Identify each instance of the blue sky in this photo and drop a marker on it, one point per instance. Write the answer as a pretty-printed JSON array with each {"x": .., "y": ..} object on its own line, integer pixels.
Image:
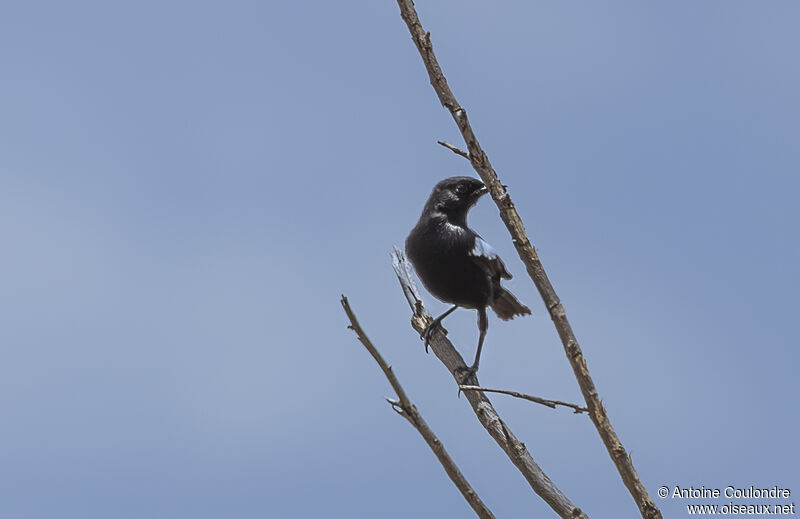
[{"x": 187, "y": 187}]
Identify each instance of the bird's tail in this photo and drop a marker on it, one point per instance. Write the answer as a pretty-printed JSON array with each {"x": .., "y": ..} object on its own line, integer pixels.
[{"x": 506, "y": 306}]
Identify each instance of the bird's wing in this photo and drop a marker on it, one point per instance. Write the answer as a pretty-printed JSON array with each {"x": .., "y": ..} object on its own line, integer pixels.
[{"x": 485, "y": 256}]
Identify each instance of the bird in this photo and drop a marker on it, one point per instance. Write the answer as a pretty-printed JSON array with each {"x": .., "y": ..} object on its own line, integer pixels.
[{"x": 455, "y": 264}]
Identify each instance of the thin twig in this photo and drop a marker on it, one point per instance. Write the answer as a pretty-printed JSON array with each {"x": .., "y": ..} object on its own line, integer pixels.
[
  {"x": 457, "y": 151},
  {"x": 486, "y": 413},
  {"x": 544, "y": 401},
  {"x": 508, "y": 213},
  {"x": 407, "y": 410}
]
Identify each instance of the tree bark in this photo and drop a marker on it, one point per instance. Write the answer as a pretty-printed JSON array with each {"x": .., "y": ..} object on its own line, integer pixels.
[
  {"x": 483, "y": 408},
  {"x": 407, "y": 410}
]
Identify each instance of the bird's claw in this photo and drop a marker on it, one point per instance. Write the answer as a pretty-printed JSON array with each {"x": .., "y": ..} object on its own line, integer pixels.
[
  {"x": 465, "y": 374},
  {"x": 427, "y": 334}
]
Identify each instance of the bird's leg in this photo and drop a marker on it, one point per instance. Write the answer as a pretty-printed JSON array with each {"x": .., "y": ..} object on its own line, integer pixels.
[
  {"x": 483, "y": 326},
  {"x": 436, "y": 322}
]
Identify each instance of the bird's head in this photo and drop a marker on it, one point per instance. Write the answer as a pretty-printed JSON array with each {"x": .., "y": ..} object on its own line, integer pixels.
[{"x": 456, "y": 195}]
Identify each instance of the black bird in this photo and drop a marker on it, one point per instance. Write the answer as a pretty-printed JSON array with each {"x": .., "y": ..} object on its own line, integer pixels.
[{"x": 454, "y": 263}]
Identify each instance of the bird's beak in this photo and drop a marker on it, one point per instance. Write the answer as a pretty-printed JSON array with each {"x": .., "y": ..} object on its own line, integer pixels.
[{"x": 481, "y": 191}]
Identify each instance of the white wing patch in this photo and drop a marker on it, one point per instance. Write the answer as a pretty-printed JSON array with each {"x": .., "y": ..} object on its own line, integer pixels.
[
  {"x": 454, "y": 228},
  {"x": 483, "y": 249}
]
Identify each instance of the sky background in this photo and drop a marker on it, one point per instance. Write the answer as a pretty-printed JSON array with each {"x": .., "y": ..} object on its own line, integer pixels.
[{"x": 186, "y": 188}]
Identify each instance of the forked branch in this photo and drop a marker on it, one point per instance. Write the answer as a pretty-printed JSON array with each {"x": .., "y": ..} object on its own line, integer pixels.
[
  {"x": 407, "y": 410},
  {"x": 486, "y": 413}
]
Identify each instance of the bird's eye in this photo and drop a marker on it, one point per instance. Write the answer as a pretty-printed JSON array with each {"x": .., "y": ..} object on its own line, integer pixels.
[{"x": 461, "y": 189}]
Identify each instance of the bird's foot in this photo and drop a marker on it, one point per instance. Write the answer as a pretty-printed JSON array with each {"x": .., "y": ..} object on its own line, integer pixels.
[
  {"x": 428, "y": 333},
  {"x": 467, "y": 376}
]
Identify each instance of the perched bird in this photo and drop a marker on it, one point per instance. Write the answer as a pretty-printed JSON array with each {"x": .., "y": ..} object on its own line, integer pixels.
[{"x": 454, "y": 263}]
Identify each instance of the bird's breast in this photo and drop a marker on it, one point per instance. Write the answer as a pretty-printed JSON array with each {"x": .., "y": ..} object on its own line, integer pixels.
[{"x": 440, "y": 256}]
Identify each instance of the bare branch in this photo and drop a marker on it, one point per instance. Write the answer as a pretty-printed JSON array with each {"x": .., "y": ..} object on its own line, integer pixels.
[
  {"x": 544, "y": 401},
  {"x": 457, "y": 151},
  {"x": 508, "y": 213},
  {"x": 486, "y": 413},
  {"x": 407, "y": 410}
]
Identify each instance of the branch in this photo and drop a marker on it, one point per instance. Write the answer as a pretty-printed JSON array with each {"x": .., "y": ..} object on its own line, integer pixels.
[
  {"x": 407, "y": 410},
  {"x": 457, "y": 151},
  {"x": 481, "y": 405},
  {"x": 508, "y": 213},
  {"x": 544, "y": 401}
]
